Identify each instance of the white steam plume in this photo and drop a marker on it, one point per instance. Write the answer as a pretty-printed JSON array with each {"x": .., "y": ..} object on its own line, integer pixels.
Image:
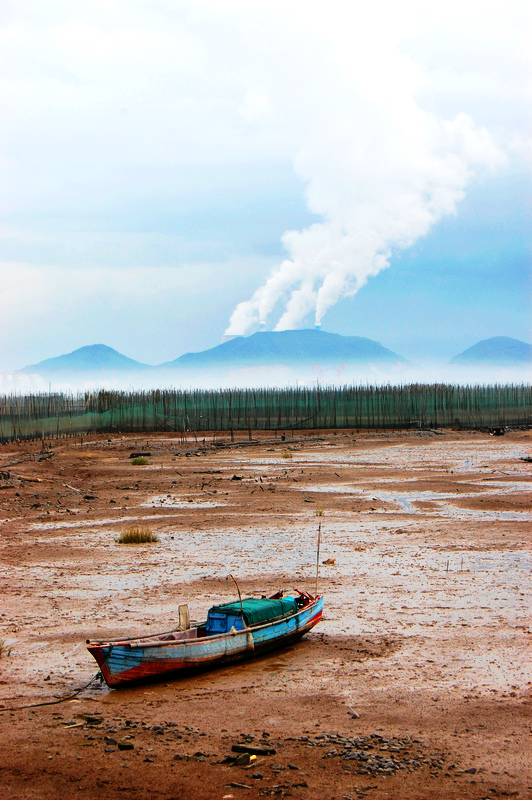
[{"x": 380, "y": 171}]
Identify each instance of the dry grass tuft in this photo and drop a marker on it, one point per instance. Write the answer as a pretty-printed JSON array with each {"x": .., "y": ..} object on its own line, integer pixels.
[
  {"x": 319, "y": 512},
  {"x": 287, "y": 454},
  {"x": 140, "y": 461},
  {"x": 137, "y": 535}
]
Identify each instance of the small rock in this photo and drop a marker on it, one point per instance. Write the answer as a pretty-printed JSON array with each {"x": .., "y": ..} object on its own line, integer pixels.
[
  {"x": 470, "y": 771},
  {"x": 292, "y": 766},
  {"x": 110, "y": 740},
  {"x": 242, "y": 760},
  {"x": 109, "y": 749},
  {"x": 149, "y": 759},
  {"x": 126, "y": 746},
  {"x": 257, "y": 775}
]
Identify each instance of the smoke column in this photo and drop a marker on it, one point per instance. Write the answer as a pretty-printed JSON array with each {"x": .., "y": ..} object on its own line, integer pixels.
[{"x": 379, "y": 170}]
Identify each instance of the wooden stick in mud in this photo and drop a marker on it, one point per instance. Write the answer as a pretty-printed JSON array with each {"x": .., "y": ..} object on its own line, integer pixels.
[
  {"x": 239, "y": 595},
  {"x": 318, "y": 558}
]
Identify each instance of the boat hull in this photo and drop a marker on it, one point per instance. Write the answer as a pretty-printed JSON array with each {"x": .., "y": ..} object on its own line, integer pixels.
[{"x": 128, "y": 662}]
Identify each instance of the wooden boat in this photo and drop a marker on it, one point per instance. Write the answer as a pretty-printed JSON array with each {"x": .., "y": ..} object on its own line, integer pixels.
[{"x": 232, "y": 631}]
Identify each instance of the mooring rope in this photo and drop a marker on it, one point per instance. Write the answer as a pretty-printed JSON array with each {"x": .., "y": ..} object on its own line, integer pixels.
[{"x": 98, "y": 676}]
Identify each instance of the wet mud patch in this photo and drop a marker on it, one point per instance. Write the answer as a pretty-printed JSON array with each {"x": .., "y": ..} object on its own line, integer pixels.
[
  {"x": 425, "y": 505},
  {"x": 493, "y": 502},
  {"x": 362, "y": 648},
  {"x": 36, "y": 553}
]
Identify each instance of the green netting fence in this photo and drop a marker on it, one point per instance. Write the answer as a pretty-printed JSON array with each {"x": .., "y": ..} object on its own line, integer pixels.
[{"x": 57, "y": 415}]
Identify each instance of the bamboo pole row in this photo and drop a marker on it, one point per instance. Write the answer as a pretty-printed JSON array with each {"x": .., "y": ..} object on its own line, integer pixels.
[{"x": 55, "y": 415}]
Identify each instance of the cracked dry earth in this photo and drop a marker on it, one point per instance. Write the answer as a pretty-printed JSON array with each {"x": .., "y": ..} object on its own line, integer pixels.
[{"x": 416, "y": 684}]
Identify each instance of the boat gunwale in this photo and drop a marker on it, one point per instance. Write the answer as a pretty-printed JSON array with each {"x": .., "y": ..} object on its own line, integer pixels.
[{"x": 135, "y": 643}]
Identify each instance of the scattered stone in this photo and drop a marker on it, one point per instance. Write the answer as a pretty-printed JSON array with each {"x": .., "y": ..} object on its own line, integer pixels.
[
  {"x": 110, "y": 740},
  {"x": 242, "y": 760},
  {"x": 257, "y": 775},
  {"x": 92, "y": 720},
  {"x": 254, "y": 751},
  {"x": 109, "y": 749},
  {"x": 280, "y": 790},
  {"x": 126, "y": 745},
  {"x": 374, "y": 753}
]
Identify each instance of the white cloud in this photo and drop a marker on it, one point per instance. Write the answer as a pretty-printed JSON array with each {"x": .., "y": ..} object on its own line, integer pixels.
[
  {"x": 380, "y": 170},
  {"x": 387, "y": 110}
]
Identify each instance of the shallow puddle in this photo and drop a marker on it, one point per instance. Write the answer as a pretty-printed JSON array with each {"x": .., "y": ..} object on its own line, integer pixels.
[{"x": 170, "y": 501}]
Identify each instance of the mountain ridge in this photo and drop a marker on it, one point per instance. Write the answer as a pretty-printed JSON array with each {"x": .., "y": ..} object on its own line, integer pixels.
[
  {"x": 289, "y": 347},
  {"x": 305, "y": 347},
  {"x": 90, "y": 358},
  {"x": 497, "y": 351}
]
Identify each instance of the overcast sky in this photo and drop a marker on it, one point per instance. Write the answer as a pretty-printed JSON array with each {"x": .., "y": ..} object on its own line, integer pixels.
[{"x": 174, "y": 169}]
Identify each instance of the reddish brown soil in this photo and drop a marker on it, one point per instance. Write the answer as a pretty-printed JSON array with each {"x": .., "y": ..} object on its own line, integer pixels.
[{"x": 424, "y": 642}]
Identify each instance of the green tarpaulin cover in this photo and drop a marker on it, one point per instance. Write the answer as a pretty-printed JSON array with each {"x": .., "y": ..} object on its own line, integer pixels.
[{"x": 257, "y": 610}]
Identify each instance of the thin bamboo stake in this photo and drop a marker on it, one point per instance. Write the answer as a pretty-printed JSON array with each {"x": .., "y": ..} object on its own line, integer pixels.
[
  {"x": 239, "y": 595},
  {"x": 318, "y": 560}
]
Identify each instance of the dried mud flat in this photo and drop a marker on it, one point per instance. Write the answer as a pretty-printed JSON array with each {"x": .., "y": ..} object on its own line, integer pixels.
[{"x": 415, "y": 685}]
